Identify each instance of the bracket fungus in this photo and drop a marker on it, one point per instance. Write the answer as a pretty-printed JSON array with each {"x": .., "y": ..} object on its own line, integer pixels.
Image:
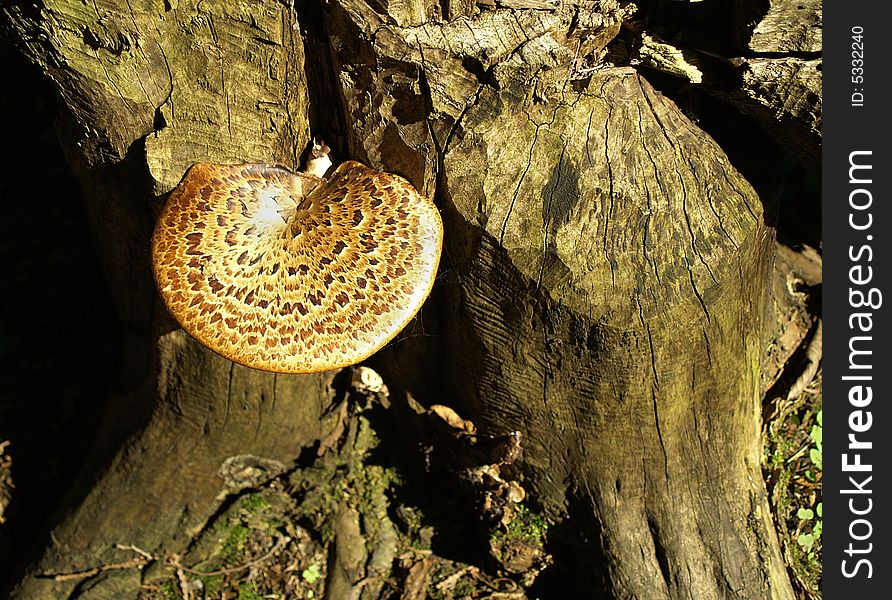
[{"x": 291, "y": 273}]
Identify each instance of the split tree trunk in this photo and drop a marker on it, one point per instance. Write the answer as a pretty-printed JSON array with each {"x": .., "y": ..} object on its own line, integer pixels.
[
  {"x": 151, "y": 88},
  {"x": 604, "y": 272}
]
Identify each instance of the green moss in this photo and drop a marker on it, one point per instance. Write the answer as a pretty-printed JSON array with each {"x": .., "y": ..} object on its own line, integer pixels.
[
  {"x": 254, "y": 503},
  {"x": 528, "y": 527},
  {"x": 345, "y": 477},
  {"x": 247, "y": 592},
  {"x": 213, "y": 586},
  {"x": 168, "y": 591},
  {"x": 232, "y": 548}
]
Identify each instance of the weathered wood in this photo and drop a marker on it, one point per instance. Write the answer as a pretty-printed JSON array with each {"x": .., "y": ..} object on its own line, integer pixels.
[
  {"x": 785, "y": 95},
  {"x": 406, "y": 12},
  {"x": 151, "y": 88},
  {"x": 606, "y": 270},
  {"x": 784, "y": 92},
  {"x": 603, "y": 287},
  {"x": 775, "y": 80},
  {"x": 637, "y": 258},
  {"x": 669, "y": 59},
  {"x": 775, "y": 77},
  {"x": 789, "y": 26}
]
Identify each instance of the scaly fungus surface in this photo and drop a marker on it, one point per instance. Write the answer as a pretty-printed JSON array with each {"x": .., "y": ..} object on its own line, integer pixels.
[{"x": 291, "y": 273}]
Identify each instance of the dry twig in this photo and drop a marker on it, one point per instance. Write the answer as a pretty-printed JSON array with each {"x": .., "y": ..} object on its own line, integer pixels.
[
  {"x": 280, "y": 543},
  {"x": 134, "y": 563}
]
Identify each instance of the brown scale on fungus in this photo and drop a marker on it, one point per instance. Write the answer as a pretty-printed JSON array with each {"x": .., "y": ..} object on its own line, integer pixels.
[{"x": 308, "y": 274}]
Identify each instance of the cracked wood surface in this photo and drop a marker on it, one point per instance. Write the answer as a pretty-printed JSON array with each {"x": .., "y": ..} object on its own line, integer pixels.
[
  {"x": 789, "y": 26},
  {"x": 610, "y": 278},
  {"x": 605, "y": 272},
  {"x": 782, "y": 77},
  {"x": 147, "y": 89},
  {"x": 785, "y": 94},
  {"x": 603, "y": 278},
  {"x": 776, "y": 77}
]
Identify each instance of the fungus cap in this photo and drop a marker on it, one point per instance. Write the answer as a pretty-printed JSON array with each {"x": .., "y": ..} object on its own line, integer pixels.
[{"x": 291, "y": 273}]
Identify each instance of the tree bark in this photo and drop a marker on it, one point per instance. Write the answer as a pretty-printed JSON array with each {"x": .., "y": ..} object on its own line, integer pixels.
[
  {"x": 606, "y": 274},
  {"x": 150, "y": 89},
  {"x": 604, "y": 278}
]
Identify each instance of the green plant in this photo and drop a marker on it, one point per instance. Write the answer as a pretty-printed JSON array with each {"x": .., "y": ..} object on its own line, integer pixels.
[
  {"x": 311, "y": 574},
  {"x": 812, "y": 520},
  {"x": 817, "y": 436},
  {"x": 254, "y": 502},
  {"x": 807, "y": 539},
  {"x": 233, "y": 544},
  {"x": 248, "y": 593}
]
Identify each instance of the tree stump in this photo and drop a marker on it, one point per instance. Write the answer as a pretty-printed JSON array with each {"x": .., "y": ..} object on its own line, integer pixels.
[
  {"x": 151, "y": 90},
  {"x": 603, "y": 282},
  {"x": 606, "y": 271}
]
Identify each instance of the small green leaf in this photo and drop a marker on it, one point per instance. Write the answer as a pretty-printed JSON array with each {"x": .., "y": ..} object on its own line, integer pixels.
[
  {"x": 817, "y": 435},
  {"x": 311, "y": 574},
  {"x": 818, "y": 529},
  {"x": 806, "y": 514},
  {"x": 820, "y": 418},
  {"x": 820, "y": 509},
  {"x": 806, "y": 540},
  {"x": 816, "y": 457}
]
